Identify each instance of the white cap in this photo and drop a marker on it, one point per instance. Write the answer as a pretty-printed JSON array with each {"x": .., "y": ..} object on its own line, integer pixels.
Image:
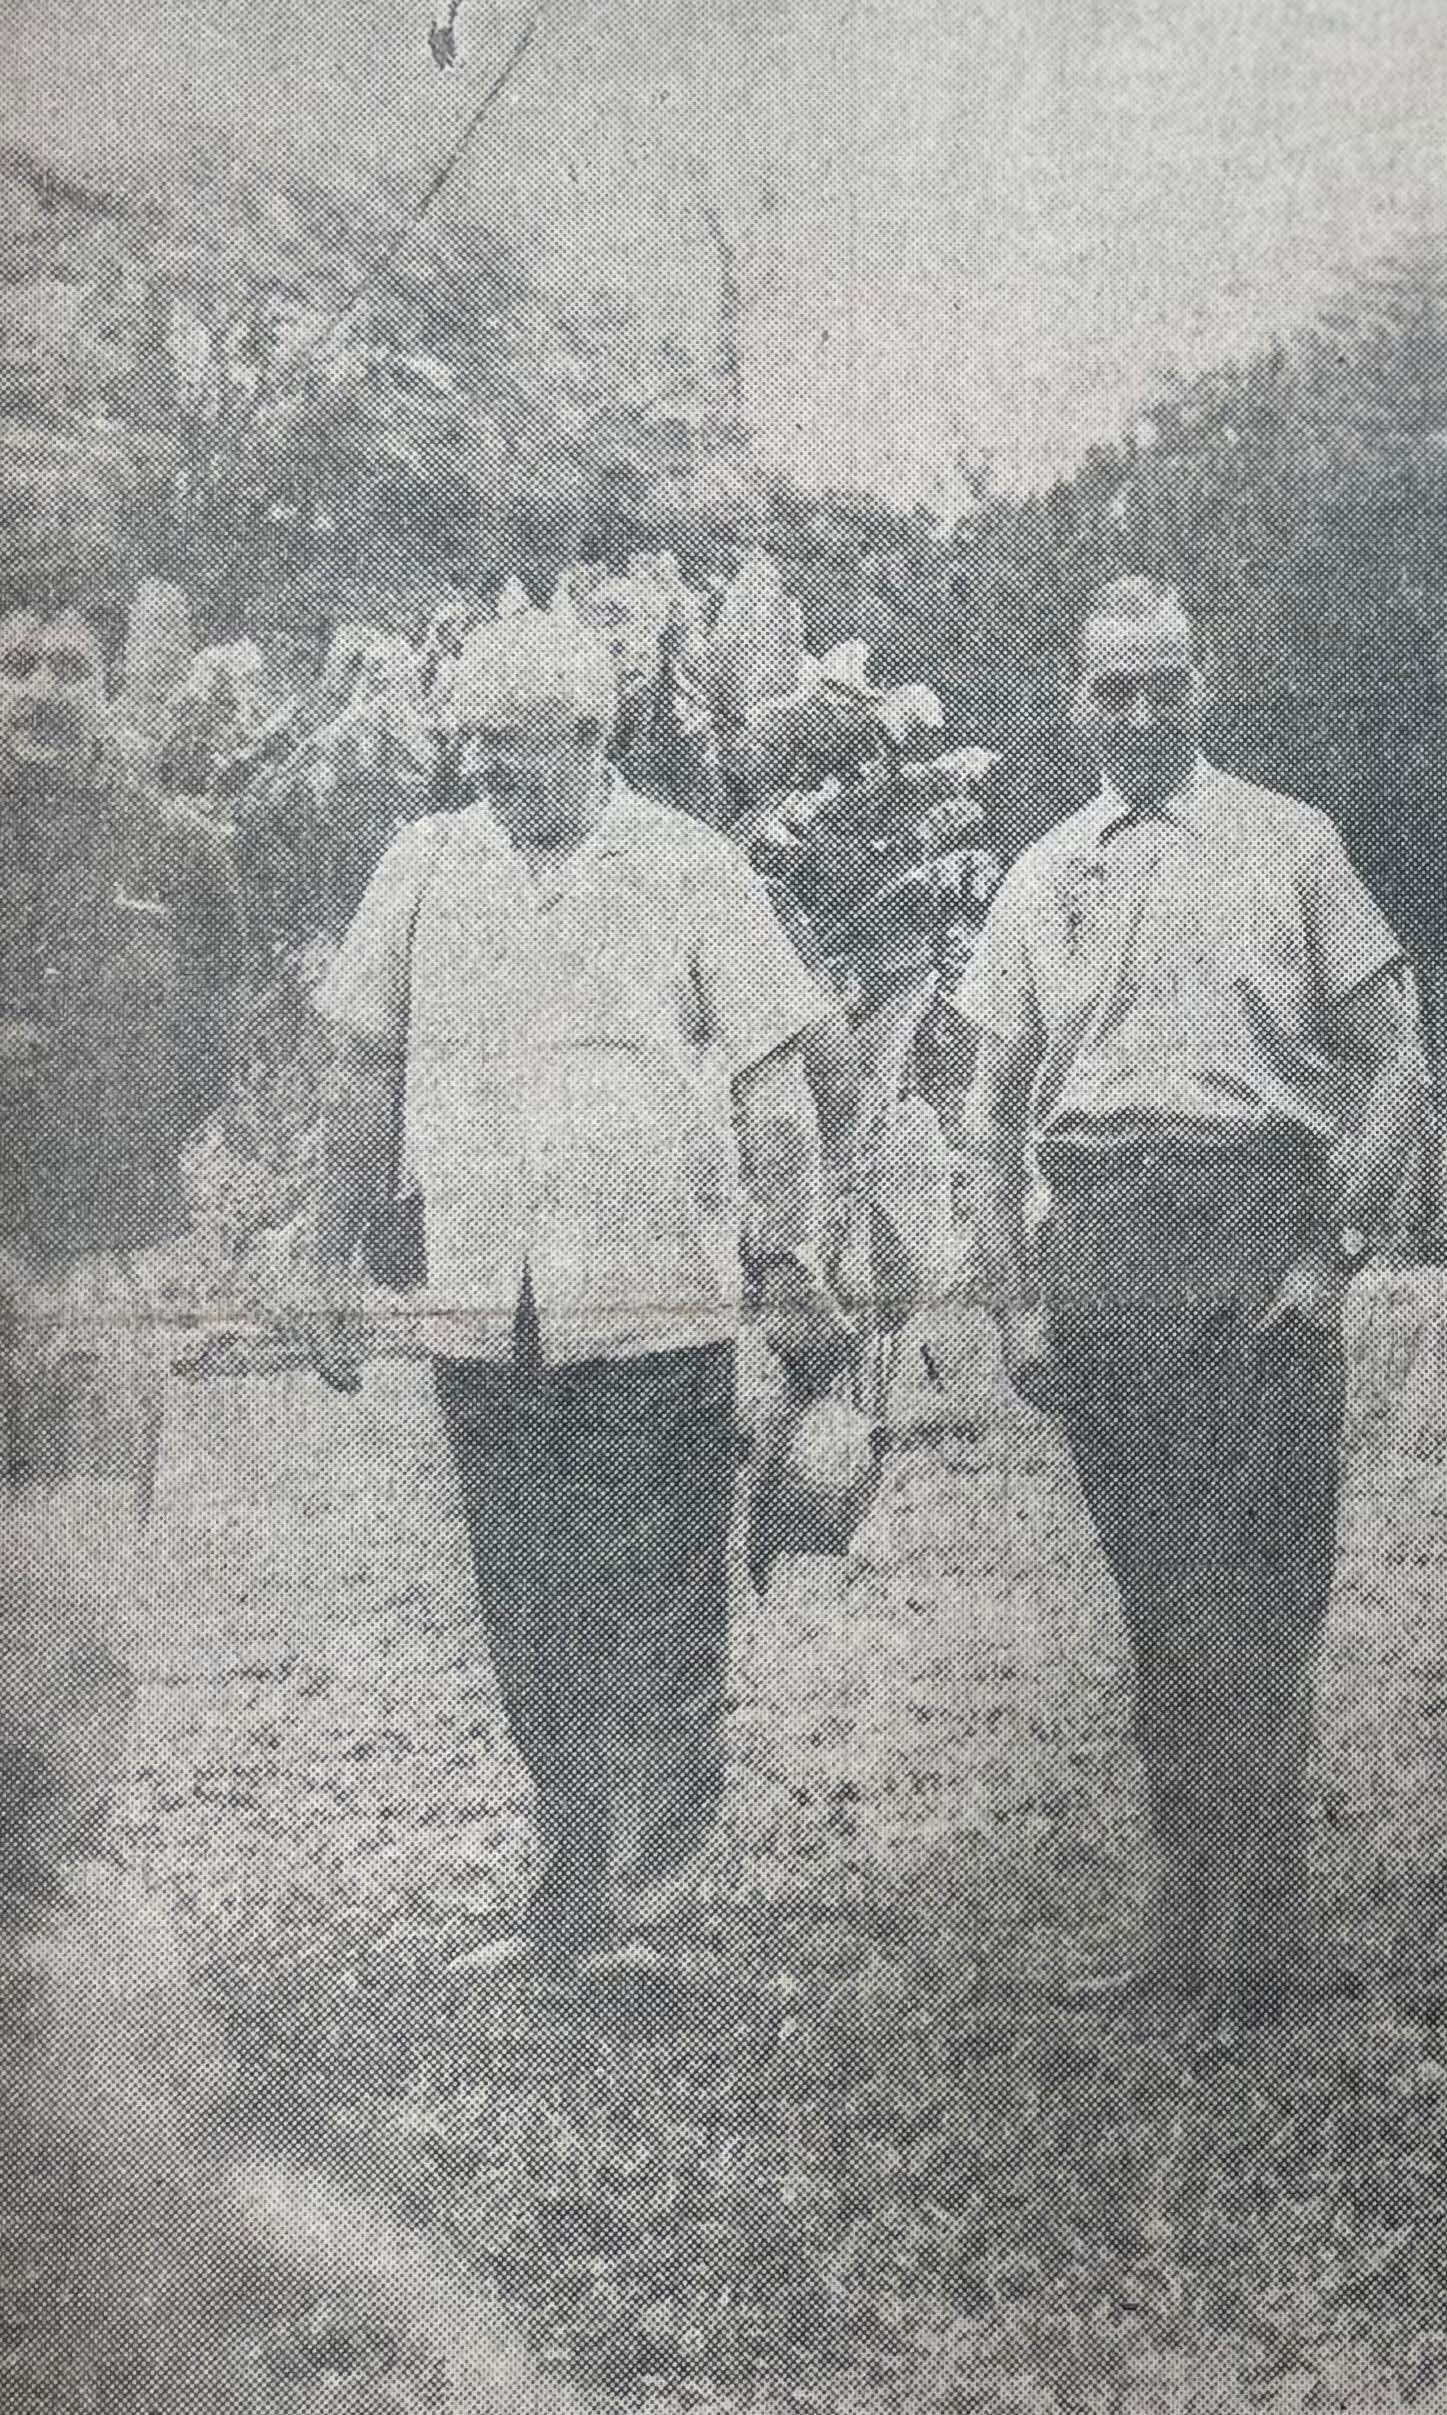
[{"x": 532, "y": 666}]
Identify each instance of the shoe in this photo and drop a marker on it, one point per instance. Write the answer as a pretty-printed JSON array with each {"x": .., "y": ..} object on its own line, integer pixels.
[
  {"x": 630, "y": 1958},
  {"x": 660, "y": 1931},
  {"x": 498, "y": 1954}
]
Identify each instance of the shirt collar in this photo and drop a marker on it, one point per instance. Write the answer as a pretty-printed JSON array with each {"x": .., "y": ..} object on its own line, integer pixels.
[
  {"x": 1190, "y": 807},
  {"x": 606, "y": 836}
]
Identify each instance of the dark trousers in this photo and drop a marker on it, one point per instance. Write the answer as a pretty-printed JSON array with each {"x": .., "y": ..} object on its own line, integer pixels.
[
  {"x": 81, "y": 1395},
  {"x": 1208, "y": 1454},
  {"x": 598, "y": 1500}
]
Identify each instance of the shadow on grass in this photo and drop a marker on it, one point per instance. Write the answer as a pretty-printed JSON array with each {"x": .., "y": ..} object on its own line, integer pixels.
[{"x": 857, "y": 2136}]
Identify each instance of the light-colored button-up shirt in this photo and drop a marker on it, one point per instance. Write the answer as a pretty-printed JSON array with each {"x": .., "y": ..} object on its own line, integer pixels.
[
  {"x": 1180, "y": 966},
  {"x": 571, "y": 1037}
]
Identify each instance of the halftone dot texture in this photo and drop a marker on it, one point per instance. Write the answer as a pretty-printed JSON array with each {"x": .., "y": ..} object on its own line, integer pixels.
[{"x": 1024, "y": 1981}]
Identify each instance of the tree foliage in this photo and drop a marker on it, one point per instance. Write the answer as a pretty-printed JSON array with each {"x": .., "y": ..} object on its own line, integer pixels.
[
  {"x": 211, "y": 390},
  {"x": 185, "y": 392},
  {"x": 1298, "y": 499}
]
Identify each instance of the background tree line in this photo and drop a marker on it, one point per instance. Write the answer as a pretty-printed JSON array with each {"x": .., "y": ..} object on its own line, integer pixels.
[{"x": 210, "y": 389}]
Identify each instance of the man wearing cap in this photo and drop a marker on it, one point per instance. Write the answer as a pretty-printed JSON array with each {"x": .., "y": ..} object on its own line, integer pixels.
[
  {"x": 595, "y": 1021},
  {"x": 1198, "y": 1054}
]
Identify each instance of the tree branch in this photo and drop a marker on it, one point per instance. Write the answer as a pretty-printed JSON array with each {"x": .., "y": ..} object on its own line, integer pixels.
[{"x": 382, "y": 267}]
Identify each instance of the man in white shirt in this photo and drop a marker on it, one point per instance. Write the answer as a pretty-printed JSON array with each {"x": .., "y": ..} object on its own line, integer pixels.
[
  {"x": 1195, "y": 1027},
  {"x": 594, "y": 1019}
]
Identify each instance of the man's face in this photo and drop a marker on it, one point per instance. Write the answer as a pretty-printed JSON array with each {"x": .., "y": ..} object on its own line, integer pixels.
[
  {"x": 1140, "y": 703},
  {"x": 52, "y": 693},
  {"x": 543, "y": 778}
]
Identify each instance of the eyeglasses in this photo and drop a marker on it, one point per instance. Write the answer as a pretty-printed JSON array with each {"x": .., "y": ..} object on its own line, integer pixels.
[{"x": 1116, "y": 692}]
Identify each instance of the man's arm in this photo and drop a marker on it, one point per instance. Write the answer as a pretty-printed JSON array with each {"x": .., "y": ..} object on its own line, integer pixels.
[
  {"x": 995, "y": 1180},
  {"x": 790, "y": 1049},
  {"x": 782, "y": 1162},
  {"x": 359, "y": 1109},
  {"x": 829, "y": 1055},
  {"x": 762, "y": 1006},
  {"x": 995, "y": 1130},
  {"x": 364, "y": 1001},
  {"x": 780, "y": 1155},
  {"x": 1378, "y": 1038},
  {"x": 189, "y": 866}
]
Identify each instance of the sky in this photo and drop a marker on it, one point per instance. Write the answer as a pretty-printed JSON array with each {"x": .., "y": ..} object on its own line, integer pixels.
[{"x": 974, "y": 230}]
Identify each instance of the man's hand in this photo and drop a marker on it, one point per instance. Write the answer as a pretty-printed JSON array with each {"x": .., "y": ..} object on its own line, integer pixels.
[
  {"x": 1030, "y": 1363},
  {"x": 1313, "y": 1288},
  {"x": 848, "y": 1254},
  {"x": 334, "y": 1346},
  {"x": 804, "y": 1325},
  {"x": 332, "y": 1333}
]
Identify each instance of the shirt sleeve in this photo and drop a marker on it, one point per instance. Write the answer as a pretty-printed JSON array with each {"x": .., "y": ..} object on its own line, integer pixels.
[
  {"x": 365, "y": 987},
  {"x": 997, "y": 994},
  {"x": 1349, "y": 936},
  {"x": 757, "y": 993}
]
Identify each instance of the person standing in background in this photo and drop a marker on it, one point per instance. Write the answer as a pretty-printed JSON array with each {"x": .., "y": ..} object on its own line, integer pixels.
[
  {"x": 119, "y": 937},
  {"x": 120, "y": 933}
]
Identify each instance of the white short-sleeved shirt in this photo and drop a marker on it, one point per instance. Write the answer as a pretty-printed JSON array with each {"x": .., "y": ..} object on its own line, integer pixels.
[
  {"x": 571, "y": 1040},
  {"x": 1181, "y": 966}
]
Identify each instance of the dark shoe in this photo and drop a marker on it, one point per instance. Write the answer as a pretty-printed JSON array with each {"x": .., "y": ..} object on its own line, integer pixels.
[{"x": 660, "y": 1931}]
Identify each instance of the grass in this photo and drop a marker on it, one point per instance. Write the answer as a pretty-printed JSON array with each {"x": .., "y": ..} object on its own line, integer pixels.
[{"x": 875, "y": 2144}]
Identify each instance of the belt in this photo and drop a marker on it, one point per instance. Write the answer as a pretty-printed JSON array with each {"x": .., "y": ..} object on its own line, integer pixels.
[{"x": 1077, "y": 1162}]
